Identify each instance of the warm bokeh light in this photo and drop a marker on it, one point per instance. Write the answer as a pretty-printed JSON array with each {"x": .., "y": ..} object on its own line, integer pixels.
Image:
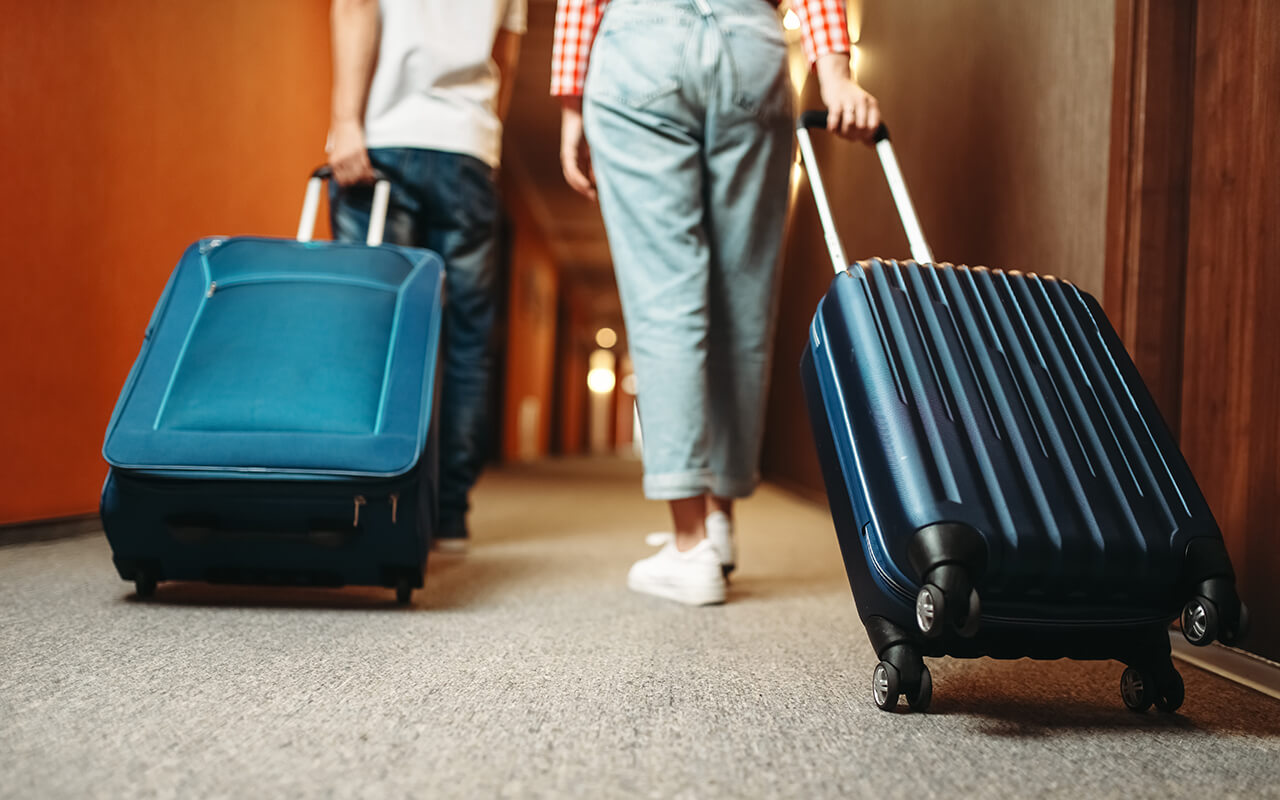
[
  {"x": 629, "y": 384},
  {"x": 790, "y": 21},
  {"x": 606, "y": 337},
  {"x": 601, "y": 380},
  {"x": 601, "y": 377}
]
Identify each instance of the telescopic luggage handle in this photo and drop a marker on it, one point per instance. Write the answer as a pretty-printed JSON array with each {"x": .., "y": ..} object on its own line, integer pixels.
[
  {"x": 915, "y": 235},
  {"x": 377, "y": 214}
]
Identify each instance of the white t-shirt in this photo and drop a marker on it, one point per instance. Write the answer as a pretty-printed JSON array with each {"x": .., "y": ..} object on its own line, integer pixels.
[{"x": 436, "y": 84}]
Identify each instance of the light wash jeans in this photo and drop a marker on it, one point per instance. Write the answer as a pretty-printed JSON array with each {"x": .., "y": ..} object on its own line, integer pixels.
[
  {"x": 446, "y": 202},
  {"x": 688, "y": 114}
]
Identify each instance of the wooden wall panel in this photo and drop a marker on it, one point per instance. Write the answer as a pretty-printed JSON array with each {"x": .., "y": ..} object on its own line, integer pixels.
[
  {"x": 533, "y": 297},
  {"x": 1148, "y": 200},
  {"x": 1231, "y": 376},
  {"x": 1000, "y": 114},
  {"x": 130, "y": 128},
  {"x": 572, "y": 396}
]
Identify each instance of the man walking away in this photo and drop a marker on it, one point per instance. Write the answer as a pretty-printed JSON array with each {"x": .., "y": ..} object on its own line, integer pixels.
[{"x": 420, "y": 89}]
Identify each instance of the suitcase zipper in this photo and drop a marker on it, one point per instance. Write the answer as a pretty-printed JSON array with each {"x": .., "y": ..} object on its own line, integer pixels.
[
  {"x": 360, "y": 500},
  {"x": 902, "y": 592},
  {"x": 906, "y": 595}
]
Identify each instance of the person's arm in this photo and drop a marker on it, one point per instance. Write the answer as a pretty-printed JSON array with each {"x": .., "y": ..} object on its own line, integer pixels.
[
  {"x": 575, "y": 155},
  {"x": 354, "y": 28},
  {"x": 851, "y": 111},
  {"x": 576, "y": 25},
  {"x": 506, "y": 54}
]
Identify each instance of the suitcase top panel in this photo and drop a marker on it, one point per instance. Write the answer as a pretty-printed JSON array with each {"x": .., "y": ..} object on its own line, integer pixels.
[{"x": 274, "y": 358}]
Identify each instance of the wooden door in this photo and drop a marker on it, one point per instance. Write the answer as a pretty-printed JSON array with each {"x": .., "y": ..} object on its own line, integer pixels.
[{"x": 1193, "y": 271}]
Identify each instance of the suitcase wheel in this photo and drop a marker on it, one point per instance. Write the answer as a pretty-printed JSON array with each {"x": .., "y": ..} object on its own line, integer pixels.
[
  {"x": 933, "y": 612},
  {"x": 144, "y": 584},
  {"x": 1142, "y": 688},
  {"x": 1233, "y": 635},
  {"x": 923, "y": 695},
  {"x": 884, "y": 686},
  {"x": 1200, "y": 621},
  {"x": 1215, "y": 613},
  {"x": 1170, "y": 691},
  {"x": 404, "y": 591},
  {"x": 968, "y": 628},
  {"x": 1136, "y": 689}
]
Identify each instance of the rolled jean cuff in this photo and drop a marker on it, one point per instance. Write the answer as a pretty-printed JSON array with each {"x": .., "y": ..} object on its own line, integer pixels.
[
  {"x": 678, "y": 485},
  {"x": 734, "y": 487}
]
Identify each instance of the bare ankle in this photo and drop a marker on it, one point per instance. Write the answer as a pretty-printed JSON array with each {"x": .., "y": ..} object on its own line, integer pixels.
[
  {"x": 688, "y": 516},
  {"x": 687, "y": 541}
]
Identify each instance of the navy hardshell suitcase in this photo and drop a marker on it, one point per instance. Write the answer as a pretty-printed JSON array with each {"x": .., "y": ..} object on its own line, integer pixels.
[
  {"x": 277, "y": 425},
  {"x": 1001, "y": 481}
]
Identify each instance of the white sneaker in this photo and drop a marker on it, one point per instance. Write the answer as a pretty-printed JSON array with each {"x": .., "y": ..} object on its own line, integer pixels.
[
  {"x": 720, "y": 534},
  {"x": 692, "y": 577}
]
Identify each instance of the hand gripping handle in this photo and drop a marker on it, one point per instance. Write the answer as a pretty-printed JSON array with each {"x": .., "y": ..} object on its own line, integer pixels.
[
  {"x": 377, "y": 215},
  {"x": 892, "y": 172}
]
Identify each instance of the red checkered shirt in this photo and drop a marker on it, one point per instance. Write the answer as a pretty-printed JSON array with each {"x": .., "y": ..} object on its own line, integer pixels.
[{"x": 823, "y": 28}]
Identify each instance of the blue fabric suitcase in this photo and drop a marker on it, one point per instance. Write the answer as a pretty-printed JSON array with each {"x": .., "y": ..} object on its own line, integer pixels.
[
  {"x": 277, "y": 425},
  {"x": 1001, "y": 481}
]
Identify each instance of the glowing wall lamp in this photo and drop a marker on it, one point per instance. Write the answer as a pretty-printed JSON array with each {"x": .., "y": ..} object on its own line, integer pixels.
[{"x": 601, "y": 377}]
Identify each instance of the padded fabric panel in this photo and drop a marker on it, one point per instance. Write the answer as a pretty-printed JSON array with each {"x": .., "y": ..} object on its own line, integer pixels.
[
  {"x": 270, "y": 358},
  {"x": 237, "y": 260},
  {"x": 284, "y": 357}
]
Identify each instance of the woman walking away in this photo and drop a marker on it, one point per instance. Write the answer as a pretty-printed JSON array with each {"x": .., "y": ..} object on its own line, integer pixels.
[{"x": 685, "y": 131}]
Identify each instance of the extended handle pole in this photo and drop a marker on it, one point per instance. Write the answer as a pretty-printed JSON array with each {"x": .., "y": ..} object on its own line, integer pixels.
[
  {"x": 839, "y": 261},
  {"x": 377, "y": 214},
  {"x": 893, "y": 174}
]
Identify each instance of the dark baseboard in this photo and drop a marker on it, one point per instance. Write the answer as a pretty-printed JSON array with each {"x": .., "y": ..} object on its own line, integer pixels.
[
  {"x": 47, "y": 530},
  {"x": 1240, "y": 666}
]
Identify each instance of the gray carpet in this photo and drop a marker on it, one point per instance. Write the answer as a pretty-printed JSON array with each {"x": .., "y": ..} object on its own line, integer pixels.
[{"x": 526, "y": 669}]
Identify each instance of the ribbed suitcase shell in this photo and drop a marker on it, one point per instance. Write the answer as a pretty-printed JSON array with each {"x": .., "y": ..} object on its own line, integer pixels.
[{"x": 1006, "y": 402}]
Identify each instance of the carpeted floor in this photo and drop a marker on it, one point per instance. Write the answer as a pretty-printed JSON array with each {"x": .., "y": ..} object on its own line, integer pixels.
[{"x": 526, "y": 669}]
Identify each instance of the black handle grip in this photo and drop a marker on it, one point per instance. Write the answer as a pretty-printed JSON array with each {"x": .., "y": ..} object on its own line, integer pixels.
[
  {"x": 325, "y": 172},
  {"x": 818, "y": 119}
]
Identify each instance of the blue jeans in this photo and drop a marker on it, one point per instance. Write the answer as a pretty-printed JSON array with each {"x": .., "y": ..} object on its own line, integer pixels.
[
  {"x": 446, "y": 202},
  {"x": 688, "y": 113}
]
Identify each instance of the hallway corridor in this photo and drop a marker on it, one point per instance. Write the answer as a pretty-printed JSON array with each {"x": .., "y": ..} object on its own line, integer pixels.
[{"x": 526, "y": 669}]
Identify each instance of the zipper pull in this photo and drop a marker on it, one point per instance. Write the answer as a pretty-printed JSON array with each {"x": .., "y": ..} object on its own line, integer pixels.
[
  {"x": 359, "y": 501},
  {"x": 395, "y": 501}
]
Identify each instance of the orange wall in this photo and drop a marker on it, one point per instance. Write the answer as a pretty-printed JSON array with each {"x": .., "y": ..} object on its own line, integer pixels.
[
  {"x": 130, "y": 128},
  {"x": 531, "y": 330},
  {"x": 571, "y": 401}
]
